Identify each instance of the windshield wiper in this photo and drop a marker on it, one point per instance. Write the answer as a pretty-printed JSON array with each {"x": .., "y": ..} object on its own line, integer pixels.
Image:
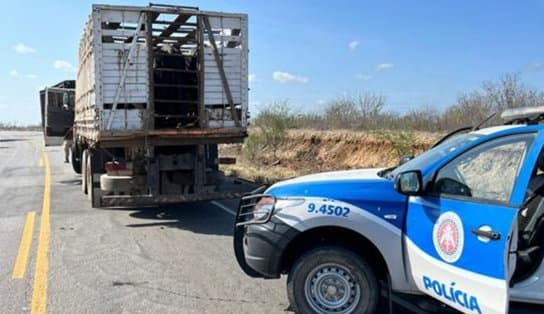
[{"x": 464, "y": 129}]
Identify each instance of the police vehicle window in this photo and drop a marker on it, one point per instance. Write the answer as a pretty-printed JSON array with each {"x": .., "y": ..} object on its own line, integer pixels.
[
  {"x": 487, "y": 171},
  {"x": 436, "y": 153}
]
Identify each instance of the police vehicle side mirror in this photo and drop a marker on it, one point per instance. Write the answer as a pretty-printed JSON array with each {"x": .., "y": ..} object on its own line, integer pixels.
[
  {"x": 405, "y": 159},
  {"x": 409, "y": 182}
]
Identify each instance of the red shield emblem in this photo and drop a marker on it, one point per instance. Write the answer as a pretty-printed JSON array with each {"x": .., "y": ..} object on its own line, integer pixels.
[{"x": 448, "y": 237}]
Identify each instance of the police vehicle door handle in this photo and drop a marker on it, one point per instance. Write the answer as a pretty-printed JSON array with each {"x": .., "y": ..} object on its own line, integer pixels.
[{"x": 490, "y": 234}]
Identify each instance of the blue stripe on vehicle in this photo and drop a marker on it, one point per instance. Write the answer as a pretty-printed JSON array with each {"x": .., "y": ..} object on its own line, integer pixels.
[{"x": 377, "y": 196}]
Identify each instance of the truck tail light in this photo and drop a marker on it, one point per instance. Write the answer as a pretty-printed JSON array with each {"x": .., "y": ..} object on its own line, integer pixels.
[{"x": 119, "y": 168}]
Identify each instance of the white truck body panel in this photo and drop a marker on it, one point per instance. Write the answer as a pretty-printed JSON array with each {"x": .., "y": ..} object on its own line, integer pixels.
[{"x": 114, "y": 90}]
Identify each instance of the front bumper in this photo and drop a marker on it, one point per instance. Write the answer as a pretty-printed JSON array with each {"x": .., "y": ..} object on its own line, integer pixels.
[{"x": 259, "y": 247}]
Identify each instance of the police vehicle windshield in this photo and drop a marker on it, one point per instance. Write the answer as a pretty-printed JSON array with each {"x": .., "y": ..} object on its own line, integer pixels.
[{"x": 435, "y": 154}]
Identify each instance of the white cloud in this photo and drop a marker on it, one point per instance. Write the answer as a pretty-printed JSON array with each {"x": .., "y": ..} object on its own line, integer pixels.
[
  {"x": 385, "y": 67},
  {"x": 285, "y": 77},
  {"x": 15, "y": 73},
  {"x": 536, "y": 66},
  {"x": 363, "y": 77},
  {"x": 252, "y": 78},
  {"x": 64, "y": 66},
  {"x": 23, "y": 49},
  {"x": 353, "y": 45}
]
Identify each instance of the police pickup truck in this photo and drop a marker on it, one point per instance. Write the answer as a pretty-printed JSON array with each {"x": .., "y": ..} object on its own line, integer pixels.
[{"x": 460, "y": 225}]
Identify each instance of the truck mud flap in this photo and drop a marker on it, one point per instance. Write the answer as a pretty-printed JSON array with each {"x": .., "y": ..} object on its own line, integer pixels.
[{"x": 238, "y": 239}]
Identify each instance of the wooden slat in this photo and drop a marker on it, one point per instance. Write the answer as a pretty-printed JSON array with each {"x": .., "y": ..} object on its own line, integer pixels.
[
  {"x": 223, "y": 51},
  {"x": 236, "y": 39},
  {"x": 131, "y": 99},
  {"x": 142, "y": 48},
  {"x": 130, "y": 73},
  {"x": 231, "y": 61},
  {"x": 124, "y": 119},
  {"x": 121, "y": 32},
  {"x": 116, "y": 52},
  {"x": 136, "y": 59},
  {"x": 235, "y": 89},
  {"x": 119, "y": 67},
  {"x": 225, "y": 22},
  {"x": 233, "y": 71},
  {"x": 217, "y": 77},
  {"x": 114, "y": 80},
  {"x": 180, "y": 19},
  {"x": 117, "y": 16},
  {"x": 128, "y": 90}
]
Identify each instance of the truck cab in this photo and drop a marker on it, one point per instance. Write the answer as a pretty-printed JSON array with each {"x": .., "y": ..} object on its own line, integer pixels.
[
  {"x": 57, "y": 111},
  {"x": 461, "y": 225}
]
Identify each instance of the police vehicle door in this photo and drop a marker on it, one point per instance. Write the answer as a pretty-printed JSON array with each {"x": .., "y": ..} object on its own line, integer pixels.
[{"x": 461, "y": 234}]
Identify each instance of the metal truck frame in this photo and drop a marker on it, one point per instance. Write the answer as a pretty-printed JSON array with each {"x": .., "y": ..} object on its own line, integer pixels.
[
  {"x": 158, "y": 87},
  {"x": 57, "y": 116}
]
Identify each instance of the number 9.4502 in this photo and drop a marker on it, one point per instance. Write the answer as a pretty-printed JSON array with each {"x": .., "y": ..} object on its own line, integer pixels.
[{"x": 328, "y": 209}]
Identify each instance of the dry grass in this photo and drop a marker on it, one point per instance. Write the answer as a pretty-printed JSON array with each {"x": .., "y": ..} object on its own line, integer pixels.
[
  {"x": 309, "y": 151},
  {"x": 17, "y": 127}
]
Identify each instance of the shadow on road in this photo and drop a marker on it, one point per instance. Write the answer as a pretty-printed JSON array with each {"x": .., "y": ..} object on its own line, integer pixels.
[
  {"x": 70, "y": 182},
  {"x": 201, "y": 218},
  {"x": 6, "y": 140}
]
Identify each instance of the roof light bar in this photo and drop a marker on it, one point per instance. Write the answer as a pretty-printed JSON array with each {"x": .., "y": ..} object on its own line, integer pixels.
[{"x": 522, "y": 113}]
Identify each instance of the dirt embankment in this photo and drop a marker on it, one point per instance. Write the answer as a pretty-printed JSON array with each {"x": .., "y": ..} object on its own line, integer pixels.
[{"x": 309, "y": 151}]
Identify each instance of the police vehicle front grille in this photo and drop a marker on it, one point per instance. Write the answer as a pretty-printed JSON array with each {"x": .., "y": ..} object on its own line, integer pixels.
[{"x": 248, "y": 213}]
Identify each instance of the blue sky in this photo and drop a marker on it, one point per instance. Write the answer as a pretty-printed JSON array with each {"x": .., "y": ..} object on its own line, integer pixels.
[{"x": 416, "y": 53}]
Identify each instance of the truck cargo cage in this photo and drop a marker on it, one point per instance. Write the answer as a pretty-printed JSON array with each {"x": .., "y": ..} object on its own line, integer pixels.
[
  {"x": 162, "y": 68},
  {"x": 158, "y": 88}
]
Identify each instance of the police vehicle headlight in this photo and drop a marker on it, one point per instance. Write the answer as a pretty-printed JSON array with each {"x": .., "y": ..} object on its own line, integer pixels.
[
  {"x": 268, "y": 205},
  {"x": 287, "y": 203},
  {"x": 263, "y": 209}
]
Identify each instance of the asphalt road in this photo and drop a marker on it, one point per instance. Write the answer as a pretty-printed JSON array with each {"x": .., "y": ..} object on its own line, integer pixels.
[{"x": 175, "y": 259}]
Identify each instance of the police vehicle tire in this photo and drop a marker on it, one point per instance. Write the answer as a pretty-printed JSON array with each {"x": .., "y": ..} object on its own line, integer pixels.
[{"x": 323, "y": 275}]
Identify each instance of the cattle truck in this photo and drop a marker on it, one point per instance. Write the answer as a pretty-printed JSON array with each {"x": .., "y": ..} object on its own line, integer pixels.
[
  {"x": 57, "y": 111},
  {"x": 158, "y": 88}
]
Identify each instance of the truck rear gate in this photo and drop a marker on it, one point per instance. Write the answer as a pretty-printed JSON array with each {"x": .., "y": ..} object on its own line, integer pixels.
[{"x": 158, "y": 88}]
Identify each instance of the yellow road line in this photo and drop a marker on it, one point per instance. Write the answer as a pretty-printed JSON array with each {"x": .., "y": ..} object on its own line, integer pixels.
[
  {"x": 40, "y": 163},
  {"x": 19, "y": 268},
  {"x": 39, "y": 290}
]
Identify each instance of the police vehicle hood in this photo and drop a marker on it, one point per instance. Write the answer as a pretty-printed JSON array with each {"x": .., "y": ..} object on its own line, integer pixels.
[{"x": 361, "y": 188}]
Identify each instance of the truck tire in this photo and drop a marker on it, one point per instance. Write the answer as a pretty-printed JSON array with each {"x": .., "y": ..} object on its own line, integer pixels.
[
  {"x": 76, "y": 159},
  {"x": 330, "y": 280},
  {"x": 89, "y": 175},
  {"x": 84, "y": 171},
  {"x": 117, "y": 184}
]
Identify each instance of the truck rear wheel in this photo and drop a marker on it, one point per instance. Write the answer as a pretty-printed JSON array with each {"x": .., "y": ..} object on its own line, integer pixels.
[
  {"x": 330, "y": 280},
  {"x": 84, "y": 171},
  {"x": 89, "y": 175},
  {"x": 76, "y": 159}
]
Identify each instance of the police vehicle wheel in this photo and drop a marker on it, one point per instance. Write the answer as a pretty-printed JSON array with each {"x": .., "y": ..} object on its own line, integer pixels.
[{"x": 330, "y": 280}]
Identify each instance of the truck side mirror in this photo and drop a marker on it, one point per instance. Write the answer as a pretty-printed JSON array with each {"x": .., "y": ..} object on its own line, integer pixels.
[
  {"x": 409, "y": 182},
  {"x": 65, "y": 101}
]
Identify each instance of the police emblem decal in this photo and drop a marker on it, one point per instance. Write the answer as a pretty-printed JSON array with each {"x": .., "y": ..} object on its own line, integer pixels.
[{"x": 448, "y": 237}]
